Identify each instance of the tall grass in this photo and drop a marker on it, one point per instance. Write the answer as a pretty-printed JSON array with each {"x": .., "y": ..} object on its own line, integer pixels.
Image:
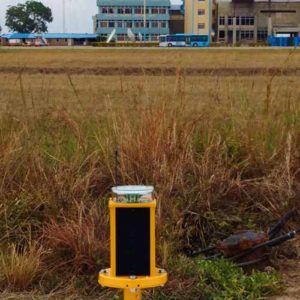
[{"x": 220, "y": 159}]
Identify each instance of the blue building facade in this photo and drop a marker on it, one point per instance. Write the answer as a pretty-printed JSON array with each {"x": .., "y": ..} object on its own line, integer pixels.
[{"x": 122, "y": 15}]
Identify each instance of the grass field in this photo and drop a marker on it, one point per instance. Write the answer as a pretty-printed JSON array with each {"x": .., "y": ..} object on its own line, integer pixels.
[{"x": 221, "y": 149}]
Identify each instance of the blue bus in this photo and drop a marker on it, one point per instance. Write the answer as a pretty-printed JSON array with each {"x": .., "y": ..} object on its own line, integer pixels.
[{"x": 183, "y": 40}]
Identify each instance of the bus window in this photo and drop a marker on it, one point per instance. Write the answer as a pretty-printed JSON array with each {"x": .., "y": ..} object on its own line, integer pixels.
[
  {"x": 199, "y": 38},
  {"x": 162, "y": 39},
  {"x": 180, "y": 38}
]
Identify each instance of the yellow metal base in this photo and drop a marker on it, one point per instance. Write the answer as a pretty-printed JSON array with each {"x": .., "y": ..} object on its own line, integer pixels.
[
  {"x": 134, "y": 284},
  {"x": 132, "y": 294}
]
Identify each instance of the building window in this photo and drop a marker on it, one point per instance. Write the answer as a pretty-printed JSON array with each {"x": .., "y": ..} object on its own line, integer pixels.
[
  {"x": 103, "y": 24},
  {"x": 201, "y": 12},
  {"x": 222, "y": 20},
  {"x": 201, "y": 25},
  {"x": 121, "y": 10},
  {"x": 154, "y": 24},
  {"x": 237, "y": 20},
  {"x": 262, "y": 35},
  {"x": 111, "y": 24},
  {"x": 155, "y": 11},
  {"x": 111, "y": 10},
  {"x": 137, "y": 24},
  {"x": 221, "y": 34},
  {"x": 247, "y": 20},
  {"x": 128, "y": 24},
  {"x": 128, "y": 11},
  {"x": 162, "y": 11},
  {"x": 230, "y": 20},
  {"x": 247, "y": 34},
  {"x": 163, "y": 24},
  {"x": 138, "y": 11},
  {"x": 104, "y": 10},
  {"x": 120, "y": 24}
]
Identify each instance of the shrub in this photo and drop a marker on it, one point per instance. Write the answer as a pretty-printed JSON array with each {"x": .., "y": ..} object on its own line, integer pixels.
[{"x": 19, "y": 268}]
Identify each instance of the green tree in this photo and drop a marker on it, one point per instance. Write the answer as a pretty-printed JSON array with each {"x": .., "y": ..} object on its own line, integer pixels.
[{"x": 32, "y": 16}]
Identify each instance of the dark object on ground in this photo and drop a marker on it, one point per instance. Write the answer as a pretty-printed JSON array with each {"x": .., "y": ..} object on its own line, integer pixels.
[{"x": 249, "y": 247}]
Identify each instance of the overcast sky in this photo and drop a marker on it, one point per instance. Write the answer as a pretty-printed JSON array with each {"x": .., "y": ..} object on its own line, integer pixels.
[{"x": 78, "y": 14}]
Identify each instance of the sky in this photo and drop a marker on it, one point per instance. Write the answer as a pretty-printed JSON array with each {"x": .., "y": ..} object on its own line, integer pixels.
[{"x": 78, "y": 14}]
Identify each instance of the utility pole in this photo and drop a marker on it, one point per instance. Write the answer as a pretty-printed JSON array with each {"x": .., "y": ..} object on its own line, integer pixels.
[
  {"x": 64, "y": 16},
  {"x": 145, "y": 21}
]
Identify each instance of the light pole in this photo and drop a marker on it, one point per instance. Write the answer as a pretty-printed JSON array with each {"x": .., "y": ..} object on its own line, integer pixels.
[{"x": 145, "y": 22}]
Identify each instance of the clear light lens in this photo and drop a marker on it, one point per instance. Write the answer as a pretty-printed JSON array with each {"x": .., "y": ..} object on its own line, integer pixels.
[{"x": 133, "y": 193}]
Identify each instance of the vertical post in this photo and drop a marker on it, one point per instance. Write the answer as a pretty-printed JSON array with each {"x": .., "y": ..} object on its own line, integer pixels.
[
  {"x": 145, "y": 22},
  {"x": 226, "y": 29},
  {"x": 234, "y": 31},
  {"x": 255, "y": 29},
  {"x": 132, "y": 294},
  {"x": 64, "y": 16}
]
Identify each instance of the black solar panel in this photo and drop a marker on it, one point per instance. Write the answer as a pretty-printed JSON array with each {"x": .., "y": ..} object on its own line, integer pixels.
[{"x": 133, "y": 241}]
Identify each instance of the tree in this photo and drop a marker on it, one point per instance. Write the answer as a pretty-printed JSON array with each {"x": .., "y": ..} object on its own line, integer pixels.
[{"x": 32, "y": 16}]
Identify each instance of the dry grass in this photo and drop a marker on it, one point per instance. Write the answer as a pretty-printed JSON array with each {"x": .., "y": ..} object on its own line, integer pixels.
[
  {"x": 221, "y": 151},
  {"x": 20, "y": 267}
]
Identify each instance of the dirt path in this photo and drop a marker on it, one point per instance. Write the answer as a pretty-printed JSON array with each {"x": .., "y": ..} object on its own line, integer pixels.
[{"x": 154, "y": 71}]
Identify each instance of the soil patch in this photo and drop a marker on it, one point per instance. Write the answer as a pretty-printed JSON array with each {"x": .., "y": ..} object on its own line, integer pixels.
[{"x": 155, "y": 71}]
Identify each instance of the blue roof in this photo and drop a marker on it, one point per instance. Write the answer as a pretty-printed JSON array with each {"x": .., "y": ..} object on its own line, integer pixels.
[
  {"x": 17, "y": 36},
  {"x": 68, "y": 35}
]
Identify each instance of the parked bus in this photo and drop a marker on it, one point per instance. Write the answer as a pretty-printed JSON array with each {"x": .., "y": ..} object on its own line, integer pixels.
[{"x": 183, "y": 40}]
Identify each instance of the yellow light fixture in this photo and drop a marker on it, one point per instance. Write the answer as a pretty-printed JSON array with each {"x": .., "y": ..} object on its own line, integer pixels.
[{"x": 132, "y": 242}]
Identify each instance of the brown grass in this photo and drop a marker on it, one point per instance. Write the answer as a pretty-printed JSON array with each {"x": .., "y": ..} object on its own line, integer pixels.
[{"x": 222, "y": 153}]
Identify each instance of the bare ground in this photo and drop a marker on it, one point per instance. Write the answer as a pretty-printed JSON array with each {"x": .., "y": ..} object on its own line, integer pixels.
[
  {"x": 290, "y": 271},
  {"x": 154, "y": 71}
]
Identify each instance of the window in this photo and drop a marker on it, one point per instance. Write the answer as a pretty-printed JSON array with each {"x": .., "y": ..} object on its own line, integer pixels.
[
  {"x": 138, "y": 24},
  {"x": 201, "y": 12},
  {"x": 221, "y": 34},
  {"x": 155, "y": 10},
  {"x": 111, "y": 24},
  {"x": 247, "y": 34},
  {"x": 105, "y": 10},
  {"x": 247, "y": 20},
  {"x": 237, "y": 20},
  {"x": 230, "y": 20},
  {"x": 163, "y": 24},
  {"x": 147, "y": 10},
  {"x": 110, "y": 10},
  {"x": 162, "y": 11},
  {"x": 121, "y": 10},
  {"x": 128, "y": 24},
  {"x": 222, "y": 20},
  {"x": 120, "y": 24},
  {"x": 138, "y": 11},
  {"x": 199, "y": 38},
  {"x": 262, "y": 34},
  {"x": 201, "y": 25},
  {"x": 128, "y": 11},
  {"x": 103, "y": 24},
  {"x": 154, "y": 24}
]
